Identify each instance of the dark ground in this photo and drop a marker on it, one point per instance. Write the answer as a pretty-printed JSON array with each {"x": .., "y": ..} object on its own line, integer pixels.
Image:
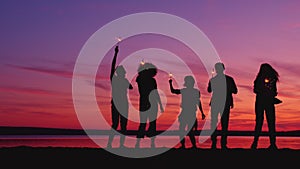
[{"x": 42, "y": 157}]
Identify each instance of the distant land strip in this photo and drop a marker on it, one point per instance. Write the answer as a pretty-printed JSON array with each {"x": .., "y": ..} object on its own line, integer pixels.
[{"x": 59, "y": 131}]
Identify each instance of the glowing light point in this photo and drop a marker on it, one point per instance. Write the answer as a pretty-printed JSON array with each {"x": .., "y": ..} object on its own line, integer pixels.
[
  {"x": 119, "y": 39},
  {"x": 267, "y": 80},
  {"x": 170, "y": 75},
  {"x": 142, "y": 62}
]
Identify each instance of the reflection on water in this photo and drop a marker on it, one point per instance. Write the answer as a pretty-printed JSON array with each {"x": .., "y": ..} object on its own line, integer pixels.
[{"x": 161, "y": 141}]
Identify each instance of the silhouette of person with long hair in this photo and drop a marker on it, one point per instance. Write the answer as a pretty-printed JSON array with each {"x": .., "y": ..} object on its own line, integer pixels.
[
  {"x": 148, "y": 102},
  {"x": 119, "y": 102},
  {"x": 222, "y": 87},
  {"x": 265, "y": 88},
  {"x": 190, "y": 101}
]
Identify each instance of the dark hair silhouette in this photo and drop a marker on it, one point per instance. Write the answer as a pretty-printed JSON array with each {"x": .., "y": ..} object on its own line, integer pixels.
[
  {"x": 219, "y": 67},
  {"x": 147, "y": 69},
  {"x": 266, "y": 70}
]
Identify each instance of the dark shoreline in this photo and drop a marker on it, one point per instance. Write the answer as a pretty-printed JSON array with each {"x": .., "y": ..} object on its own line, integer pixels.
[
  {"x": 171, "y": 157},
  {"x": 97, "y": 157},
  {"x": 4, "y": 130}
]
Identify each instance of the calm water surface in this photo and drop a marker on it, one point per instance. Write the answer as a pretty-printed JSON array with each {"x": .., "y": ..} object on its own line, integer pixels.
[{"x": 161, "y": 141}]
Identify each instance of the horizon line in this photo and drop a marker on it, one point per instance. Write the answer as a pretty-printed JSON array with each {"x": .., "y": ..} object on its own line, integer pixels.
[{"x": 11, "y": 130}]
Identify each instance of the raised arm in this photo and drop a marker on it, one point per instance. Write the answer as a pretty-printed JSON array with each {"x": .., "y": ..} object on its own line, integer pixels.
[
  {"x": 175, "y": 91},
  {"x": 113, "y": 64}
]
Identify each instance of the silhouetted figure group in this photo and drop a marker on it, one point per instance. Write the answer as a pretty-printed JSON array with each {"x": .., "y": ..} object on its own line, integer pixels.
[{"x": 221, "y": 86}]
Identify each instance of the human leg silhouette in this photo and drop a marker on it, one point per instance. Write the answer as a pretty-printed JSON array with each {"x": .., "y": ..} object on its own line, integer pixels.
[
  {"x": 115, "y": 117},
  {"x": 259, "y": 119},
  {"x": 213, "y": 127},
  {"x": 182, "y": 126},
  {"x": 152, "y": 132},
  {"x": 123, "y": 123},
  {"x": 141, "y": 129},
  {"x": 224, "y": 125},
  {"x": 270, "y": 117},
  {"x": 191, "y": 135}
]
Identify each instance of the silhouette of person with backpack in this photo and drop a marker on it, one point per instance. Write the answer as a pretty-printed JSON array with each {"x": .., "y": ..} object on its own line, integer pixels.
[
  {"x": 149, "y": 101},
  {"x": 190, "y": 101},
  {"x": 222, "y": 87},
  {"x": 119, "y": 102},
  {"x": 265, "y": 88}
]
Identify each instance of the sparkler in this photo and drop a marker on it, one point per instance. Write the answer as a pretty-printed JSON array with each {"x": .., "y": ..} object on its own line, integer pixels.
[
  {"x": 170, "y": 75},
  {"x": 267, "y": 80},
  {"x": 142, "y": 62},
  {"x": 119, "y": 39}
]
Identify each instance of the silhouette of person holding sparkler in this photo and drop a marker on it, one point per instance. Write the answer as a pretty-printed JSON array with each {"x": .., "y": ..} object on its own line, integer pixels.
[
  {"x": 190, "y": 100},
  {"x": 148, "y": 102},
  {"x": 265, "y": 88},
  {"x": 119, "y": 102}
]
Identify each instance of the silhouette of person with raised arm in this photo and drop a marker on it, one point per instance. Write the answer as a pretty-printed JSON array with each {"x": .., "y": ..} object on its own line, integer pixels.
[
  {"x": 222, "y": 87},
  {"x": 265, "y": 88},
  {"x": 149, "y": 101},
  {"x": 119, "y": 102},
  {"x": 190, "y": 101}
]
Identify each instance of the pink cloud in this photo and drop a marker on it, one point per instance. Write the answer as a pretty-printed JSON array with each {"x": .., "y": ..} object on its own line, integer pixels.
[
  {"x": 30, "y": 91},
  {"x": 62, "y": 73}
]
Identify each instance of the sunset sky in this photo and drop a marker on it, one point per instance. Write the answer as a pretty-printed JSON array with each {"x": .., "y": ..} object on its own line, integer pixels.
[{"x": 41, "y": 40}]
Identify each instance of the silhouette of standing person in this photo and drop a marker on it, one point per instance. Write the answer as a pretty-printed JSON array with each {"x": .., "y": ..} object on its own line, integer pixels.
[
  {"x": 222, "y": 87},
  {"x": 148, "y": 102},
  {"x": 265, "y": 88},
  {"x": 190, "y": 101},
  {"x": 119, "y": 102}
]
